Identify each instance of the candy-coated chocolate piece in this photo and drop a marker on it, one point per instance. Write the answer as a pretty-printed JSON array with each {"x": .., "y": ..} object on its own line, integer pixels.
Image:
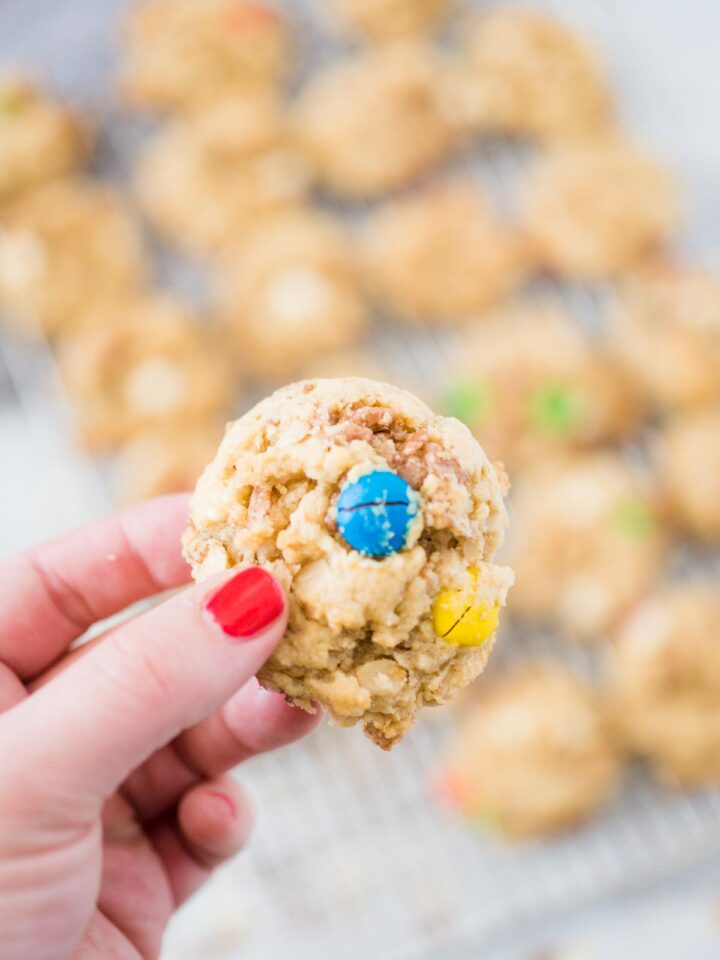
[
  {"x": 454, "y": 790},
  {"x": 486, "y": 819},
  {"x": 469, "y": 402},
  {"x": 635, "y": 519},
  {"x": 459, "y": 619},
  {"x": 375, "y": 513},
  {"x": 252, "y": 16},
  {"x": 555, "y": 409}
]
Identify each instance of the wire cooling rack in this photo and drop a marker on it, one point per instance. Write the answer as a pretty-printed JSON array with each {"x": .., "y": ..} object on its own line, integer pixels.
[{"x": 351, "y": 857}]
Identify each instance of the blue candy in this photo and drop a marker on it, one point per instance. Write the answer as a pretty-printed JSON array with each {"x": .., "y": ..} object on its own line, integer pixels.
[{"x": 374, "y": 513}]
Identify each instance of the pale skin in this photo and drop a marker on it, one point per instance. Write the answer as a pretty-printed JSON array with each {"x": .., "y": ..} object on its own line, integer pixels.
[{"x": 115, "y": 801}]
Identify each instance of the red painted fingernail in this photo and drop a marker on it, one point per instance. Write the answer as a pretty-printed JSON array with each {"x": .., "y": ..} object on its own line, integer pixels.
[
  {"x": 226, "y": 801},
  {"x": 246, "y": 604}
]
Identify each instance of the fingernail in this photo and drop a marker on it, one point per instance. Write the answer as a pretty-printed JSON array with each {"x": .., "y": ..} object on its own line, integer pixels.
[
  {"x": 247, "y": 604},
  {"x": 225, "y": 799}
]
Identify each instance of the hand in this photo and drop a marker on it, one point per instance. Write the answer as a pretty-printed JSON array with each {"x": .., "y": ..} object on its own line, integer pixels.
[{"x": 114, "y": 803}]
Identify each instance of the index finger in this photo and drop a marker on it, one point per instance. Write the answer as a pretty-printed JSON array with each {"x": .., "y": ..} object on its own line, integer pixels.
[{"x": 51, "y": 594}]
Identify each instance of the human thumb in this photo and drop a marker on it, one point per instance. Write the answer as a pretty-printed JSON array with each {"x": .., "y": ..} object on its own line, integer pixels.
[{"x": 81, "y": 734}]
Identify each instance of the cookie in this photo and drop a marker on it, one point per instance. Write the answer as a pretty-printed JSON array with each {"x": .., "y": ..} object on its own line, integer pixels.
[
  {"x": 596, "y": 207},
  {"x": 388, "y": 19},
  {"x": 688, "y": 462},
  {"x": 587, "y": 543},
  {"x": 361, "y": 640},
  {"x": 664, "y": 682},
  {"x": 290, "y": 293},
  {"x": 666, "y": 328},
  {"x": 142, "y": 364},
  {"x": 178, "y": 53},
  {"x": 348, "y": 362},
  {"x": 66, "y": 249},
  {"x": 362, "y": 362},
  {"x": 376, "y": 121},
  {"x": 209, "y": 176},
  {"x": 40, "y": 138},
  {"x": 441, "y": 256},
  {"x": 528, "y": 75},
  {"x": 165, "y": 459},
  {"x": 529, "y": 384},
  {"x": 532, "y": 754}
]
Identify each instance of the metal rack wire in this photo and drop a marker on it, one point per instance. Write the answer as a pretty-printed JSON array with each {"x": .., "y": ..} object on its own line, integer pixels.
[{"x": 351, "y": 857}]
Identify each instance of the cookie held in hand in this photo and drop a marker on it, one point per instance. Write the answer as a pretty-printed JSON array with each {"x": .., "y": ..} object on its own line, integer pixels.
[{"x": 371, "y": 511}]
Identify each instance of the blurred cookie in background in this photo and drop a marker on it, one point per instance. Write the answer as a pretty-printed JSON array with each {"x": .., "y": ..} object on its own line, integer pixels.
[
  {"x": 290, "y": 293},
  {"x": 594, "y": 208},
  {"x": 165, "y": 459},
  {"x": 66, "y": 249},
  {"x": 585, "y": 541},
  {"x": 688, "y": 461},
  {"x": 209, "y": 176},
  {"x": 664, "y": 682},
  {"x": 375, "y": 121},
  {"x": 380, "y": 20},
  {"x": 361, "y": 361},
  {"x": 178, "y": 53},
  {"x": 529, "y": 383},
  {"x": 348, "y": 362},
  {"x": 40, "y": 137},
  {"x": 524, "y": 74},
  {"x": 143, "y": 364},
  {"x": 532, "y": 754},
  {"x": 441, "y": 255},
  {"x": 666, "y": 328}
]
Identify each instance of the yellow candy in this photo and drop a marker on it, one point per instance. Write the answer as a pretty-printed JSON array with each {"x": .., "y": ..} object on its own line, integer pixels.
[{"x": 460, "y": 620}]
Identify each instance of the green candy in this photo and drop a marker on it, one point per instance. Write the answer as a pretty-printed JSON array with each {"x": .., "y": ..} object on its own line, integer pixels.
[
  {"x": 487, "y": 820},
  {"x": 634, "y": 519},
  {"x": 469, "y": 402},
  {"x": 556, "y": 410}
]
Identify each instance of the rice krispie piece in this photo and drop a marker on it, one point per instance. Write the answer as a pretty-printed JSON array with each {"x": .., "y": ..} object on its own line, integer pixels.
[
  {"x": 688, "y": 461},
  {"x": 594, "y": 208},
  {"x": 140, "y": 364},
  {"x": 66, "y": 249},
  {"x": 532, "y": 754},
  {"x": 386, "y": 19},
  {"x": 178, "y": 53},
  {"x": 587, "y": 542},
  {"x": 529, "y": 383},
  {"x": 441, "y": 255},
  {"x": 527, "y": 74},
  {"x": 664, "y": 682},
  {"x": 211, "y": 175},
  {"x": 380, "y": 520},
  {"x": 376, "y": 121},
  {"x": 666, "y": 329},
  {"x": 40, "y": 138},
  {"x": 291, "y": 292}
]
